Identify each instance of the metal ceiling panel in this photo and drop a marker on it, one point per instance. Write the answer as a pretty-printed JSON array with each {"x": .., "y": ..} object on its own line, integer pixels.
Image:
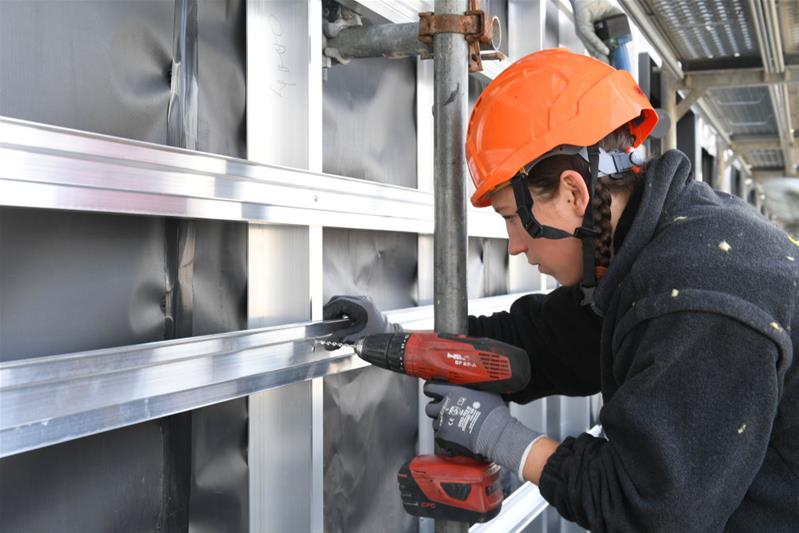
[
  {"x": 789, "y": 24},
  {"x": 707, "y": 29},
  {"x": 745, "y": 110},
  {"x": 765, "y": 158}
]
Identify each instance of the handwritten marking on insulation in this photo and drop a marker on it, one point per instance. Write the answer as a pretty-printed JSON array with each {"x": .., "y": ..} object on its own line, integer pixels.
[
  {"x": 677, "y": 219},
  {"x": 279, "y": 86}
]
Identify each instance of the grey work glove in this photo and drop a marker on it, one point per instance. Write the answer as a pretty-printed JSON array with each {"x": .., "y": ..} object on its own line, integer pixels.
[
  {"x": 362, "y": 311},
  {"x": 479, "y": 424},
  {"x": 586, "y": 12}
]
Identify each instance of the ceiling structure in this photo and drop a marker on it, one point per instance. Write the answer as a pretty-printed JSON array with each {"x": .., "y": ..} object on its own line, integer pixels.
[{"x": 740, "y": 59}]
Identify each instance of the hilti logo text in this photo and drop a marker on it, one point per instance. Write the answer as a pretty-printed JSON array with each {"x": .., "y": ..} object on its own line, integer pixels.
[{"x": 461, "y": 360}]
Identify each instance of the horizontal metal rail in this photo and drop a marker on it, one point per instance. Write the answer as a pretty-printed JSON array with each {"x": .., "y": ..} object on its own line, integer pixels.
[
  {"x": 57, "y": 168},
  {"x": 52, "y": 399},
  {"x": 521, "y": 508}
]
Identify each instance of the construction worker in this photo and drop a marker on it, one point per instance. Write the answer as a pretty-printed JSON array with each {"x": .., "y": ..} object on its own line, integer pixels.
[{"x": 678, "y": 303}]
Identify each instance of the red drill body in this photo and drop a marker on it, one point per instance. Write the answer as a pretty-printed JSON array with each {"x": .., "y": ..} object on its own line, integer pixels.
[
  {"x": 450, "y": 488},
  {"x": 484, "y": 364}
]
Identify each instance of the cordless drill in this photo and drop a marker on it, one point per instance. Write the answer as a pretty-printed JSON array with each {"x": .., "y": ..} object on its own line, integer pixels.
[{"x": 457, "y": 488}]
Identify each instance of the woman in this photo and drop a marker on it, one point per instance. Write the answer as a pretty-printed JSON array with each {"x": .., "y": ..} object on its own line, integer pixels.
[{"x": 679, "y": 304}]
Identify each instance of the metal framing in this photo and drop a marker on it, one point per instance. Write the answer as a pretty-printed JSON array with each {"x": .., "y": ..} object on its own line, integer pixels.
[
  {"x": 284, "y": 123},
  {"x": 282, "y": 194},
  {"x": 47, "y": 400},
  {"x": 55, "y": 168}
]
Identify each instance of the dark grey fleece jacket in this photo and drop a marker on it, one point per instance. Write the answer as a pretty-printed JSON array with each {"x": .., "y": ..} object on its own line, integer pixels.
[{"x": 696, "y": 358}]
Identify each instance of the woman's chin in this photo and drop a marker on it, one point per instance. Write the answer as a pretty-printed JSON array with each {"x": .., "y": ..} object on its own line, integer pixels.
[{"x": 560, "y": 278}]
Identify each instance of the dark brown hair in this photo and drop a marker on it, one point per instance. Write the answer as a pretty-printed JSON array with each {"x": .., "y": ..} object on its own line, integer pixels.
[{"x": 544, "y": 179}]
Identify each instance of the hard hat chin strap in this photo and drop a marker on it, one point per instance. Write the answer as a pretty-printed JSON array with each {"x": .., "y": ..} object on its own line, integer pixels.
[
  {"x": 587, "y": 232},
  {"x": 524, "y": 208}
]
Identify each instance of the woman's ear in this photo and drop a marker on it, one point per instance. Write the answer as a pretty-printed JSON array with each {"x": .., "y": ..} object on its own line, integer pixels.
[{"x": 573, "y": 186}]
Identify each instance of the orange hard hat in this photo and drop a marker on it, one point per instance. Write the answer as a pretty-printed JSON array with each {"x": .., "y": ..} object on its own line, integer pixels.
[{"x": 544, "y": 100}]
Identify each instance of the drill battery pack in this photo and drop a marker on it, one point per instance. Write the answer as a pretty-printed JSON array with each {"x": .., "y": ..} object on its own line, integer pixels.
[{"x": 451, "y": 488}]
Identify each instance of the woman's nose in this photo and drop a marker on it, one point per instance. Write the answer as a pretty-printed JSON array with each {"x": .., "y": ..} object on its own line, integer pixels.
[{"x": 516, "y": 246}]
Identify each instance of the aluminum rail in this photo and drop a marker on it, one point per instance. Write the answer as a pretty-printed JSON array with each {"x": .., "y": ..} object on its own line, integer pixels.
[
  {"x": 518, "y": 511},
  {"x": 57, "y": 168},
  {"x": 53, "y": 399},
  {"x": 521, "y": 508}
]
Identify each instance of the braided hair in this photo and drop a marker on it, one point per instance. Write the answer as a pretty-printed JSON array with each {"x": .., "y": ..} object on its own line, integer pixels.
[{"x": 544, "y": 179}]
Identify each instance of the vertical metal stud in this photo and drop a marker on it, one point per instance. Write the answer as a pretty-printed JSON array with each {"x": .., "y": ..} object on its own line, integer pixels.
[
  {"x": 278, "y": 111},
  {"x": 424, "y": 173},
  {"x": 315, "y": 259},
  {"x": 284, "y": 88},
  {"x": 317, "y": 499},
  {"x": 280, "y": 437},
  {"x": 526, "y": 26}
]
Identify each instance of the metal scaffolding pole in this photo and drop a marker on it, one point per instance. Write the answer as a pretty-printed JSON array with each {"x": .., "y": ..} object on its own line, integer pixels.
[
  {"x": 386, "y": 40},
  {"x": 450, "y": 108}
]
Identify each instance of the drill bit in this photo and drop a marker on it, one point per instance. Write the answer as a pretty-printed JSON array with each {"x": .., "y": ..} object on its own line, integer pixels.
[{"x": 326, "y": 343}]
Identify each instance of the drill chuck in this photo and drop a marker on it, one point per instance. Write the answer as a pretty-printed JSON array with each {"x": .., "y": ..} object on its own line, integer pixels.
[{"x": 386, "y": 350}]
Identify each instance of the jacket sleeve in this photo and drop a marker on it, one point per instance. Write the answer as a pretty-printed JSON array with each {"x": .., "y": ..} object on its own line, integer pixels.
[
  {"x": 687, "y": 429},
  {"x": 560, "y": 336}
]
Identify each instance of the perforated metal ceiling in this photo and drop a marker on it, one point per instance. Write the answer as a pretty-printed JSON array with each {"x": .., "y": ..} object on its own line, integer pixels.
[
  {"x": 766, "y": 158},
  {"x": 720, "y": 34},
  {"x": 745, "y": 111},
  {"x": 709, "y": 29},
  {"x": 789, "y": 17}
]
